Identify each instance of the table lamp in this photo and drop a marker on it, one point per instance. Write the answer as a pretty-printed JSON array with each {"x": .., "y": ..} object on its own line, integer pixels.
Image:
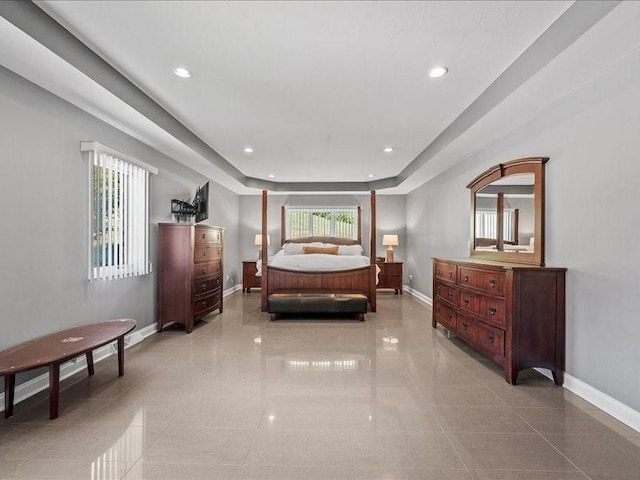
[
  {"x": 258, "y": 241},
  {"x": 390, "y": 241}
]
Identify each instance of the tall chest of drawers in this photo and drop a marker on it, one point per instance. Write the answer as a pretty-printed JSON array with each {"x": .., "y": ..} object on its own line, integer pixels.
[
  {"x": 190, "y": 273},
  {"x": 513, "y": 314}
]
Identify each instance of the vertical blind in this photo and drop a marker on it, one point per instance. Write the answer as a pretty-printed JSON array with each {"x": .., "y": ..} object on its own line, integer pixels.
[
  {"x": 487, "y": 224},
  {"x": 119, "y": 218}
]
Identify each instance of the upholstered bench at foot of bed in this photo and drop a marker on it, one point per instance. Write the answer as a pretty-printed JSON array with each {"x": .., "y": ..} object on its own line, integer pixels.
[{"x": 316, "y": 302}]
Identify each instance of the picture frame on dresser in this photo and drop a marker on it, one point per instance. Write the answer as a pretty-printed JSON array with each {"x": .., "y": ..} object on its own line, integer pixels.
[{"x": 503, "y": 301}]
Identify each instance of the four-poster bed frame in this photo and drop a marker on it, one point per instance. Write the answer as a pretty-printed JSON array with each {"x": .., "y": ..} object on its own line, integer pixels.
[{"x": 356, "y": 280}]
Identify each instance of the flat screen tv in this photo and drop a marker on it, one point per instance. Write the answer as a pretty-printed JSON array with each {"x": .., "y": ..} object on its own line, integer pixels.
[{"x": 201, "y": 203}]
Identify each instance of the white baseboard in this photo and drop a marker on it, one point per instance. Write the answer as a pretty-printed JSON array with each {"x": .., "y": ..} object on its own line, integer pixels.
[
  {"x": 41, "y": 382},
  {"x": 420, "y": 296},
  {"x": 231, "y": 290}
]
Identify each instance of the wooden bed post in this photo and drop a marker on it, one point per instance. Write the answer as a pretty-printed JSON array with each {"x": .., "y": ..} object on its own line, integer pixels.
[
  {"x": 283, "y": 225},
  {"x": 265, "y": 254},
  {"x": 372, "y": 254},
  {"x": 360, "y": 224}
]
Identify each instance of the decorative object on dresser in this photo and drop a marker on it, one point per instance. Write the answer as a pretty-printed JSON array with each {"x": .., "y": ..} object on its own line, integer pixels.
[
  {"x": 258, "y": 242},
  {"x": 190, "y": 272},
  {"x": 249, "y": 279},
  {"x": 512, "y": 312},
  {"x": 390, "y": 276},
  {"x": 390, "y": 241}
]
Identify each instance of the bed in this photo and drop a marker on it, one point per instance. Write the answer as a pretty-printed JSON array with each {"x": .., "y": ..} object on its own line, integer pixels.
[{"x": 324, "y": 275}]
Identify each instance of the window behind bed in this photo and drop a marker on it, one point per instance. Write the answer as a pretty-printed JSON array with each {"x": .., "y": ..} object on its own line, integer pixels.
[{"x": 326, "y": 222}]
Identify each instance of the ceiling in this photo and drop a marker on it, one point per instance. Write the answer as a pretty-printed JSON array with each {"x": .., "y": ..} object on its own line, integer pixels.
[{"x": 317, "y": 89}]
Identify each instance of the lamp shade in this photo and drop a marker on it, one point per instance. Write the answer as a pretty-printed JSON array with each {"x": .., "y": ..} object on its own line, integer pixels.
[
  {"x": 258, "y": 239},
  {"x": 390, "y": 240}
]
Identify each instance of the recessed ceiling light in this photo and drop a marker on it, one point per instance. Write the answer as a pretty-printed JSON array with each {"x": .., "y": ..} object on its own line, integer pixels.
[
  {"x": 371, "y": 175},
  {"x": 437, "y": 72},
  {"x": 388, "y": 150},
  {"x": 182, "y": 72},
  {"x": 271, "y": 175},
  {"x": 248, "y": 150}
]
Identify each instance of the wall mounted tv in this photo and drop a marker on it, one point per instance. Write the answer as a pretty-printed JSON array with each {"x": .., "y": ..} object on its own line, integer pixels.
[{"x": 199, "y": 208}]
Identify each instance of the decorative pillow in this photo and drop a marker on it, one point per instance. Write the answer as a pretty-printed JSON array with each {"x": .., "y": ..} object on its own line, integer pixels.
[
  {"x": 293, "y": 248},
  {"x": 350, "y": 250},
  {"x": 326, "y": 250},
  {"x": 296, "y": 248}
]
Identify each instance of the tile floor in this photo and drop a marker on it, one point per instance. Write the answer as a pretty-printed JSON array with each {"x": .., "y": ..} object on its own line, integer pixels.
[{"x": 245, "y": 398}]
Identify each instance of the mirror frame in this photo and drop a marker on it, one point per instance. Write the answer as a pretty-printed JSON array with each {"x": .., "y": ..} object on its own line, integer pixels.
[{"x": 533, "y": 165}]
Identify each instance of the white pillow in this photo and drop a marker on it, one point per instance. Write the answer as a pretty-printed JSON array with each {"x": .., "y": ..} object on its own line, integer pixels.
[
  {"x": 297, "y": 248},
  {"x": 350, "y": 250}
]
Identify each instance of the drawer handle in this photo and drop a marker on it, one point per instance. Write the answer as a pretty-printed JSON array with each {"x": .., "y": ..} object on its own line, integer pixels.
[
  {"x": 466, "y": 301},
  {"x": 492, "y": 283},
  {"x": 204, "y": 304},
  {"x": 204, "y": 270},
  {"x": 438, "y": 272},
  {"x": 464, "y": 325},
  {"x": 450, "y": 295},
  {"x": 203, "y": 286},
  {"x": 492, "y": 311},
  {"x": 450, "y": 274},
  {"x": 490, "y": 338},
  {"x": 204, "y": 253},
  {"x": 450, "y": 317},
  {"x": 438, "y": 289},
  {"x": 466, "y": 279},
  {"x": 204, "y": 236}
]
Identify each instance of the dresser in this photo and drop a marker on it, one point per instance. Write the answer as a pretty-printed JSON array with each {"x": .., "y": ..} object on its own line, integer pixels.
[
  {"x": 513, "y": 314},
  {"x": 249, "y": 279},
  {"x": 390, "y": 276},
  {"x": 190, "y": 273}
]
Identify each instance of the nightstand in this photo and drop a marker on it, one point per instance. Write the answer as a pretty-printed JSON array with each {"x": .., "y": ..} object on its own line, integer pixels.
[
  {"x": 390, "y": 276},
  {"x": 249, "y": 279}
]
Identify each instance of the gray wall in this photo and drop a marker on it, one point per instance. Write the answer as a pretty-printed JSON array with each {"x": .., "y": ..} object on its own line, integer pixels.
[
  {"x": 592, "y": 229},
  {"x": 390, "y": 218},
  {"x": 43, "y": 193}
]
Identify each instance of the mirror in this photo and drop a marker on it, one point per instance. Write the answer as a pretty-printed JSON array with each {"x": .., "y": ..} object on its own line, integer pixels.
[{"x": 507, "y": 214}]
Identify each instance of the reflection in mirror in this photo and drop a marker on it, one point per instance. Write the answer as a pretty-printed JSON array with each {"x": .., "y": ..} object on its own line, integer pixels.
[
  {"x": 507, "y": 212},
  {"x": 504, "y": 215}
]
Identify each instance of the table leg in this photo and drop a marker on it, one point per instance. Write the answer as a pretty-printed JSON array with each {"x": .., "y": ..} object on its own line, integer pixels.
[
  {"x": 9, "y": 389},
  {"x": 54, "y": 389},
  {"x": 121, "y": 355},
  {"x": 90, "y": 363}
]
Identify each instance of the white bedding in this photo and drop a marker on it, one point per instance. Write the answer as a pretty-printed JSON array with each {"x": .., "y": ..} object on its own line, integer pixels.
[{"x": 315, "y": 262}]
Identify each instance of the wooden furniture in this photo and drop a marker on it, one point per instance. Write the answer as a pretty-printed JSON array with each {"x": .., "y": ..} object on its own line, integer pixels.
[
  {"x": 390, "y": 276},
  {"x": 357, "y": 280},
  {"x": 249, "y": 279},
  {"x": 190, "y": 273},
  {"x": 514, "y": 314},
  {"x": 514, "y": 188},
  {"x": 56, "y": 348}
]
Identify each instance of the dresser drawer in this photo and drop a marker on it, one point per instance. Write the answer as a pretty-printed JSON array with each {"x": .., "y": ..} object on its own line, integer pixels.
[
  {"x": 204, "y": 305},
  {"x": 208, "y": 236},
  {"x": 490, "y": 309},
  {"x": 445, "y": 271},
  {"x": 207, "y": 285},
  {"x": 489, "y": 339},
  {"x": 206, "y": 253},
  {"x": 447, "y": 293},
  {"x": 488, "y": 281},
  {"x": 207, "y": 269},
  {"x": 444, "y": 315}
]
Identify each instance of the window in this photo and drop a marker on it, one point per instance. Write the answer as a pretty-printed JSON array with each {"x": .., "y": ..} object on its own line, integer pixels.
[
  {"x": 118, "y": 214},
  {"x": 486, "y": 224},
  {"x": 324, "y": 222}
]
